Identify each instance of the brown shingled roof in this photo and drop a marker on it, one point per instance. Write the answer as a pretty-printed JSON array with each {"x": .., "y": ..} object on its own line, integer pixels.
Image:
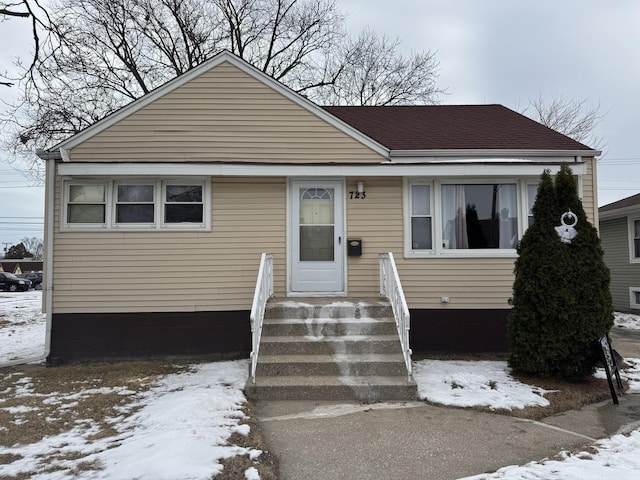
[
  {"x": 446, "y": 127},
  {"x": 625, "y": 202}
]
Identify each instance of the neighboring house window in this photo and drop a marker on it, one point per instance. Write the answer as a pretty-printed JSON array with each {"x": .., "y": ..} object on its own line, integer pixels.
[
  {"x": 421, "y": 219},
  {"x": 137, "y": 205},
  {"x": 479, "y": 216},
  {"x": 634, "y": 300},
  {"x": 86, "y": 204},
  {"x": 634, "y": 240}
]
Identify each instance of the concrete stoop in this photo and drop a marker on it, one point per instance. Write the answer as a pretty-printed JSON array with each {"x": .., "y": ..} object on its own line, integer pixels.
[{"x": 330, "y": 349}]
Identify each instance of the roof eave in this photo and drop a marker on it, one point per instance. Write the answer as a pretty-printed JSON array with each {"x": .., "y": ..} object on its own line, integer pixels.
[
  {"x": 492, "y": 153},
  {"x": 619, "y": 212}
]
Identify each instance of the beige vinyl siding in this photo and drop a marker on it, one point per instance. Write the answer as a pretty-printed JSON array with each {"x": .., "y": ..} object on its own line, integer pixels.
[
  {"x": 624, "y": 274},
  {"x": 159, "y": 271},
  {"x": 473, "y": 283},
  {"x": 377, "y": 220},
  {"x": 223, "y": 115},
  {"x": 589, "y": 192}
]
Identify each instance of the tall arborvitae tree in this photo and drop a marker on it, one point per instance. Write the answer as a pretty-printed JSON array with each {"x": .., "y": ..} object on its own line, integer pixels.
[{"x": 561, "y": 299}]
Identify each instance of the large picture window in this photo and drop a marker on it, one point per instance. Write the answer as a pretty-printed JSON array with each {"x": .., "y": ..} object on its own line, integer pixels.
[
  {"x": 142, "y": 205},
  {"x": 479, "y": 216}
]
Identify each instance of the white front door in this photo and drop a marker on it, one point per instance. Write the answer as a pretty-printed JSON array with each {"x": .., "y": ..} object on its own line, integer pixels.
[{"x": 317, "y": 237}]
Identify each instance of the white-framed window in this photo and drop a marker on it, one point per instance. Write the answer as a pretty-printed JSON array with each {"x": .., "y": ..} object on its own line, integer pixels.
[
  {"x": 634, "y": 239},
  {"x": 183, "y": 203},
  {"x": 634, "y": 298},
  {"x": 421, "y": 217},
  {"x": 135, "y": 204},
  {"x": 469, "y": 218},
  {"x": 532, "y": 192},
  {"x": 86, "y": 204}
]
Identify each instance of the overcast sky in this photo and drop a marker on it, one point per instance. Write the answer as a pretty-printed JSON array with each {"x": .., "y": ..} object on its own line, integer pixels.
[{"x": 490, "y": 51}]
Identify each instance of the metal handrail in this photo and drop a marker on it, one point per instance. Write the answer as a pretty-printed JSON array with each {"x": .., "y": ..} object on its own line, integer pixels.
[
  {"x": 264, "y": 290},
  {"x": 391, "y": 288}
]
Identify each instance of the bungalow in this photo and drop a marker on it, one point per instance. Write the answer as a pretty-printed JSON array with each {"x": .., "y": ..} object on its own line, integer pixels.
[
  {"x": 620, "y": 234},
  {"x": 157, "y": 215},
  {"x": 20, "y": 266}
]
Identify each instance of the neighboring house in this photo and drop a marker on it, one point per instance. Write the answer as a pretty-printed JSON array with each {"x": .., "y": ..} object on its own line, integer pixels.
[
  {"x": 620, "y": 234},
  {"x": 157, "y": 215},
  {"x": 20, "y": 266}
]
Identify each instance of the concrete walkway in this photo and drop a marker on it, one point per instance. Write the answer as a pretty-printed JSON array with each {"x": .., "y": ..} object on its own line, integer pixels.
[{"x": 413, "y": 440}]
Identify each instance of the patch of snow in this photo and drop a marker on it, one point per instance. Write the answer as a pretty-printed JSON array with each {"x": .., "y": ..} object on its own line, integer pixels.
[
  {"x": 22, "y": 326},
  {"x": 631, "y": 374},
  {"x": 615, "y": 458},
  {"x": 474, "y": 383},
  {"x": 180, "y": 432},
  {"x": 251, "y": 474},
  {"x": 626, "y": 320}
]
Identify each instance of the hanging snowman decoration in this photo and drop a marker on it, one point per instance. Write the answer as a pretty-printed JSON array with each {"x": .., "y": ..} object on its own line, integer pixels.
[{"x": 566, "y": 232}]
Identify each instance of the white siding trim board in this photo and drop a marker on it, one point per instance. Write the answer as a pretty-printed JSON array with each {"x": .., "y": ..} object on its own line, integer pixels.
[{"x": 298, "y": 170}]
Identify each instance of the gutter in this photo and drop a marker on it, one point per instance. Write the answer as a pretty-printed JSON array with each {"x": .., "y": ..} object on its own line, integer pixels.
[{"x": 440, "y": 155}]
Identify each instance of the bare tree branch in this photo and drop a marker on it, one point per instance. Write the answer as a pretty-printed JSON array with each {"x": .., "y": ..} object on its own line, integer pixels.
[
  {"x": 102, "y": 54},
  {"x": 574, "y": 118}
]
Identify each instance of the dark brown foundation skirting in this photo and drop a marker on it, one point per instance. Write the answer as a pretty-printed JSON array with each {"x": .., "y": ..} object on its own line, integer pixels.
[
  {"x": 111, "y": 336},
  {"x": 225, "y": 335},
  {"x": 459, "y": 331}
]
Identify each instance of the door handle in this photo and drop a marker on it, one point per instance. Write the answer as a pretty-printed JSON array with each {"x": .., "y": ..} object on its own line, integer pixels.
[{"x": 339, "y": 240}]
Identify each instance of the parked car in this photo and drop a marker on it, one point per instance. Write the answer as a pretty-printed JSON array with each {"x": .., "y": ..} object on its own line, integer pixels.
[
  {"x": 36, "y": 279},
  {"x": 11, "y": 283}
]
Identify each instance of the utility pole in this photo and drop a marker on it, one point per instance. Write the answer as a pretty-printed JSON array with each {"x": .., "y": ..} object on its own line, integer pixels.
[{"x": 6, "y": 245}]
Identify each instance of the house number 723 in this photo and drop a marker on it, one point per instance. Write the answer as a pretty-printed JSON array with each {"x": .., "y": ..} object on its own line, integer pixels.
[{"x": 356, "y": 194}]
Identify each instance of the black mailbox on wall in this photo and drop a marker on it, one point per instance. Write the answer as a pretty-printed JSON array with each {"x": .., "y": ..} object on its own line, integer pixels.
[{"x": 354, "y": 247}]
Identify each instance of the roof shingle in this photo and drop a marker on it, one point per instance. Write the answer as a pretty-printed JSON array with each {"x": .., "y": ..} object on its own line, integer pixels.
[{"x": 452, "y": 127}]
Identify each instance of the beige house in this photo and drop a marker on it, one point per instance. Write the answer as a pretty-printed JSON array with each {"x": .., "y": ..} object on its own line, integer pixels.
[{"x": 158, "y": 214}]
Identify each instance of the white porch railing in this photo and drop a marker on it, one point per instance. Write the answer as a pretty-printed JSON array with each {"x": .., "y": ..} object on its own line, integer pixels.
[
  {"x": 264, "y": 290},
  {"x": 391, "y": 288}
]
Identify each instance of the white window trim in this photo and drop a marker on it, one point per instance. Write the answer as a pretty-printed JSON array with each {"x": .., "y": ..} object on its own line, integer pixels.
[
  {"x": 114, "y": 203},
  {"x": 65, "y": 224},
  {"x": 406, "y": 208},
  {"x": 110, "y": 198},
  {"x": 436, "y": 216},
  {"x": 631, "y": 232},
  {"x": 632, "y": 298}
]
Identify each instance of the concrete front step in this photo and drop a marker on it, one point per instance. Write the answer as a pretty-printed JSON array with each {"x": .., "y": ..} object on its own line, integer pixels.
[
  {"x": 344, "y": 345},
  {"x": 312, "y": 307},
  {"x": 317, "y": 327},
  {"x": 366, "y": 389},
  {"x": 341, "y": 365},
  {"x": 330, "y": 349}
]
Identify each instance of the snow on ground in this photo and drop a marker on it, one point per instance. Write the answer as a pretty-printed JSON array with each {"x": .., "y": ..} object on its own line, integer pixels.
[
  {"x": 181, "y": 431},
  {"x": 616, "y": 458},
  {"x": 627, "y": 320},
  {"x": 474, "y": 383},
  {"x": 22, "y": 326}
]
